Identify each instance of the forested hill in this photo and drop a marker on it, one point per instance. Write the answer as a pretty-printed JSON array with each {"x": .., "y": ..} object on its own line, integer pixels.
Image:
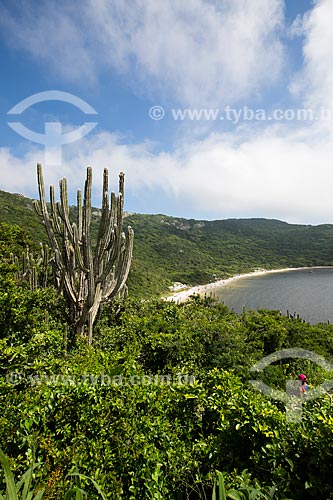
[{"x": 168, "y": 249}]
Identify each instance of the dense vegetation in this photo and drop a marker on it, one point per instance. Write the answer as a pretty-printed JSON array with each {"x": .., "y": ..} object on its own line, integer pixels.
[
  {"x": 162, "y": 399},
  {"x": 169, "y": 249},
  {"x": 104, "y": 411}
]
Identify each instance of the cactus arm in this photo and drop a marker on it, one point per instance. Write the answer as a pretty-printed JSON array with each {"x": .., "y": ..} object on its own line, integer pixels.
[
  {"x": 37, "y": 208},
  {"x": 86, "y": 238},
  {"x": 54, "y": 214},
  {"x": 63, "y": 207},
  {"x": 124, "y": 265},
  {"x": 79, "y": 214},
  {"x": 103, "y": 232},
  {"x": 43, "y": 211},
  {"x": 78, "y": 255}
]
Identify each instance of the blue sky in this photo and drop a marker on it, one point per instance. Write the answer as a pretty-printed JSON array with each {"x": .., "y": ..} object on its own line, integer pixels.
[{"x": 253, "y": 58}]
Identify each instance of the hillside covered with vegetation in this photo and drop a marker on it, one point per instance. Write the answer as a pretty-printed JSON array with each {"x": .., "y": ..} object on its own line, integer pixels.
[
  {"x": 169, "y": 249},
  {"x": 160, "y": 401},
  {"x": 162, "y": 398}
]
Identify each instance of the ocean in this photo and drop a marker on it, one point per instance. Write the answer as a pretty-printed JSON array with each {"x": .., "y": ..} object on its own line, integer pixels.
[{"x": 307, "y": 292}]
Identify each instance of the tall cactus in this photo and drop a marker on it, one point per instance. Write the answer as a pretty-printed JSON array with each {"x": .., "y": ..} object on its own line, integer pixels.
[
  {"x": 86, "y": 276},
  {"x": 33, "y": 269}
]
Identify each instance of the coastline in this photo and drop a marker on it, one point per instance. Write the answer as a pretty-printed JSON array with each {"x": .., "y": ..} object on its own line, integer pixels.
[{"x": 183, "y": 295}]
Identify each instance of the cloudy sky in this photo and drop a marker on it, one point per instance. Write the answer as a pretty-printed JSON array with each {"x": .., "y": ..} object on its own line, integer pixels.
[{"x": 212, "y": 108}]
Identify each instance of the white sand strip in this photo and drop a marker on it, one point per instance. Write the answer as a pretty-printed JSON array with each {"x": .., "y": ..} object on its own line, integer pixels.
[{"x": 183, "y": 295}]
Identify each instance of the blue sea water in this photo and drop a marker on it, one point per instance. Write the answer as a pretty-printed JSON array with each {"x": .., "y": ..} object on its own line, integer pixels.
[{"x": 306, "y": 292}]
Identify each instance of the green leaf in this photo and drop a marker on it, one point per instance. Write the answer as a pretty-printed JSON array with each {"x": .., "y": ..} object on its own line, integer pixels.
[
  {"x": 70, "y": 493},
  {"x": 235, "y": 495},
  {"x": 26, "y": 479},
  {"x": 39, "y": 495},
  {"x": 93, "y": 482},
  {"x": 214, "y": 491},
  {"x": 75, "y": 492},
  {"x": 290, "y": 463},
  {"x": 254, "y": 493},
  {"x": 222, "y": 493},
  {"x": 10, "y": 483}
]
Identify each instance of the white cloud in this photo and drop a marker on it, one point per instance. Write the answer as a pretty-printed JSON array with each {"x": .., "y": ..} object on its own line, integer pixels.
[
  {"x": 197, "y": 52},
  {"x": 274, "y": 173},
  {"x": 314, "y": 84},
  {"x": 53, "y": 33}
]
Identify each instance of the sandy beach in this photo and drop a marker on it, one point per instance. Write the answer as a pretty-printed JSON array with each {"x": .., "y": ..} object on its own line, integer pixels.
[{"x": 183, "y": 295}]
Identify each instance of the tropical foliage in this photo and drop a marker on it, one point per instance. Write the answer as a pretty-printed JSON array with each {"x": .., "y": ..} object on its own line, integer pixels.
[{"x": 159, "y": 403}]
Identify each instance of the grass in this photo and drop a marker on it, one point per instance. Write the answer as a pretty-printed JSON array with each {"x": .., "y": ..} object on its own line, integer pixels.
[{"x": 23, "y": 489}]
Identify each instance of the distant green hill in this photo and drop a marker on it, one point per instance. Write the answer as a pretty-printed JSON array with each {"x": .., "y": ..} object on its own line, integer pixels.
[{"x": 168, "y": 249}]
